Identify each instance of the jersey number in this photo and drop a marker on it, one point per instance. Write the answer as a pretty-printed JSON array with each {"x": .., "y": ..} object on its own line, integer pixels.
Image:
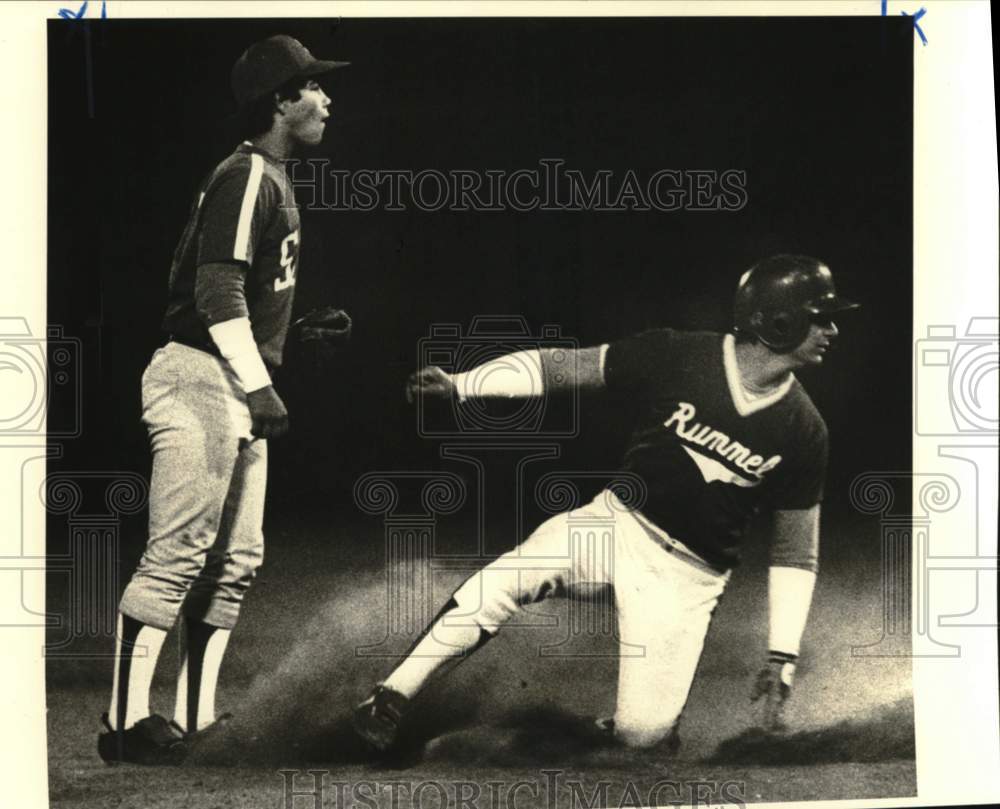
[{"x": 289, "y": 256}]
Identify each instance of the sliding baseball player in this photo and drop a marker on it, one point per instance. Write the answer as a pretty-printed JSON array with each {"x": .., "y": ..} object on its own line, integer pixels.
[{"x": 725, "y": 430}]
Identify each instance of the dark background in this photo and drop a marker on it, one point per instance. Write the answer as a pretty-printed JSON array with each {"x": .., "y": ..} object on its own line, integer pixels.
[{"x": 817, "y": 112}]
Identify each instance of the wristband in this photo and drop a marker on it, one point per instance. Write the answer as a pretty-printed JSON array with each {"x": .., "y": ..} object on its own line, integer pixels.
[
  {"x": 787, "y": 662},
  {"x": 790, "y": 592},
  {"x": 235, "y": 341}
]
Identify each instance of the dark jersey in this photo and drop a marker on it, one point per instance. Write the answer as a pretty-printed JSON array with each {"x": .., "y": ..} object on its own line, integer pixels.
[
  {"x": 244, "y": 212},
  {"x": 711, "y": 455}
]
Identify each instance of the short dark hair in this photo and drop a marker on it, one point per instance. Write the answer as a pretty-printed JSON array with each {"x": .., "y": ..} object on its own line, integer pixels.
[{"x": 257, "y": 117}]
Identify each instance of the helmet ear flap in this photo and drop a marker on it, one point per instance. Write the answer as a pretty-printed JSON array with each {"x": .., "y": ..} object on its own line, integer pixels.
[
  {"x": 781, "y": 324},
  {"x": 788, "y": 330},
  {"x": 779, "y": 331}
]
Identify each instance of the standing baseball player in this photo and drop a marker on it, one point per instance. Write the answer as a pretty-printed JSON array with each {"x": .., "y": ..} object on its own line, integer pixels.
[
  {"x": 210, "y": 407},
  {"x": 725, "y": 430}
]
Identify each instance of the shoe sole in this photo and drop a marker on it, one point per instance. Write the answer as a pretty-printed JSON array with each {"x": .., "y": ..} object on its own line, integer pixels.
[{"x": 113, "y": 753}]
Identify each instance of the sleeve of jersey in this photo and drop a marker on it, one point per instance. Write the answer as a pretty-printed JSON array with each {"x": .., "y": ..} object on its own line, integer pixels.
[
  {"x": 235, "y": 213},
  {"x": 801, "y": 482},
  {"x": 629, "y": 362}
]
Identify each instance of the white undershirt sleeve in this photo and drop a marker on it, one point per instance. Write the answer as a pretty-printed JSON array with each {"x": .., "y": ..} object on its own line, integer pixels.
[
  {"x": 235, "y": 341},
  {"x": 790, "y": 591},
  {"x": 512, "y": 375}
]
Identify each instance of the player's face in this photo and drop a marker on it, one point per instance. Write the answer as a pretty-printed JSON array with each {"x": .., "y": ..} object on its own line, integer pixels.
[
  {"x": 306, "y": 117},
  {"x": 822, "y": 332}
]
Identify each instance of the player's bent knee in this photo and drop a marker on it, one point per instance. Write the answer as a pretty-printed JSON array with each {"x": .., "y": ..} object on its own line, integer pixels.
[{"x": 642, "y": 736}]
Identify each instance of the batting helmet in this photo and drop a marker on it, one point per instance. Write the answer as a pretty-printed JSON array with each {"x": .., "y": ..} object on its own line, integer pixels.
[{"x": 777, "y": 298}]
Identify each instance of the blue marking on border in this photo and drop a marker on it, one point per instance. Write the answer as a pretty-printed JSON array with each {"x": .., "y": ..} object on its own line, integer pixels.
[
  {"x": 916, "y": 18},
  {"x": 916, "y": 24},
  {"x": 69, "y": 14}
]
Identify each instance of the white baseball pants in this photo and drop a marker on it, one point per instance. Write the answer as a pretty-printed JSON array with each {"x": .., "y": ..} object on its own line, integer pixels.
[
  {"x": 206, "y": 500},
  {"x": 664, "y": 597}
]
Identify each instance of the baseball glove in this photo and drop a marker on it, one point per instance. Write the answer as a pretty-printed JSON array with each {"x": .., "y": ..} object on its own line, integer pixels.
[{"x": 328, "y": 325}]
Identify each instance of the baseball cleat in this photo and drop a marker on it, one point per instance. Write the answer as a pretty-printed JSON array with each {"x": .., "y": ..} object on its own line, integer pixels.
[
  {"x": 376, "y": 720},
  {"x": 208, "y": 732},
  {"x": 152, "y": 740},
  {"x": 210, "y": 741}
]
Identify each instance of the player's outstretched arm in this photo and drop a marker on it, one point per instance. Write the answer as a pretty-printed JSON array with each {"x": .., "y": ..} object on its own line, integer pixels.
[
  {"x": 522, "y": 374},
  {"x": 791, "y": 579}
]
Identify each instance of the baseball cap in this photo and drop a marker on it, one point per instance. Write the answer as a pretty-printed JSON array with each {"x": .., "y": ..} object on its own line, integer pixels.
[{"x": 268, "y": 64}]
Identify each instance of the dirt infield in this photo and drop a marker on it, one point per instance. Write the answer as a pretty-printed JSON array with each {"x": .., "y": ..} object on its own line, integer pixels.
[
  {"x": 534, "y": 750},
  {"x": 512, "y": 717}
]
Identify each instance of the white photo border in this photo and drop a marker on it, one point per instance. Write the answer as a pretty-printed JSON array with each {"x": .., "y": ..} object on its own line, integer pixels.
[{"x": 956, "y": 286}]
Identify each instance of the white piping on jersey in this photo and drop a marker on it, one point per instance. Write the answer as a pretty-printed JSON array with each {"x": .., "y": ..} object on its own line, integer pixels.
[
  {"x": 711, "y": 470},
  {"x": 242, "y": 245},
  {"x": 744, "y": 402}
]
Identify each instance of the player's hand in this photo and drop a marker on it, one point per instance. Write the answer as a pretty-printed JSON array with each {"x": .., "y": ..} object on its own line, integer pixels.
[
  {"x": 267, "y": 413},
  {"x": 429, "y": 381},
  {"x": 774, "y": 684}
]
